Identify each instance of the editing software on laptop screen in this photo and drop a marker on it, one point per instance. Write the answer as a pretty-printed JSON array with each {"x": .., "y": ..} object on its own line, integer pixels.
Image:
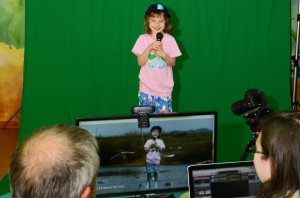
[{"x": 235, "y": 179}]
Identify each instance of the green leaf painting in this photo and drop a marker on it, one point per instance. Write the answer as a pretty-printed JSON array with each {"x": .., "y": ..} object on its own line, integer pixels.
[{"x": 12, "y": 22}]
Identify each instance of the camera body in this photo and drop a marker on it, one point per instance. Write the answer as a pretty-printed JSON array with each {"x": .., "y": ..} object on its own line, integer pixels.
[
  {"x": 254, "y": 108},
  {"x": 253, "y": 99}
]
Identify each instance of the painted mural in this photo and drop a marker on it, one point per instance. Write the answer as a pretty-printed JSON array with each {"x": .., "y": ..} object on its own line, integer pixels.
[{"x": 12, "y": 28}]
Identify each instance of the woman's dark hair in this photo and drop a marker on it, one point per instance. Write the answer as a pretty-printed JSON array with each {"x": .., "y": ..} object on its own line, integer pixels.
[{"x": 280, "y": 141}]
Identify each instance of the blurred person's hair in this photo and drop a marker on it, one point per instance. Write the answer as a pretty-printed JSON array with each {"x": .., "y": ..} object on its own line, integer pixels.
[
  {"x": 280, "y": 141},
  {"x": 55, "y": 161}
]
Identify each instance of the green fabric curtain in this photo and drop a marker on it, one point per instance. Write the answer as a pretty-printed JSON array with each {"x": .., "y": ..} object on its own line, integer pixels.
[{"x": 78, "y": 60}]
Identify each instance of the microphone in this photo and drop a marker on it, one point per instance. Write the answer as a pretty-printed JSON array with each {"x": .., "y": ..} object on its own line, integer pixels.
[{"x": 159, "y": 36}]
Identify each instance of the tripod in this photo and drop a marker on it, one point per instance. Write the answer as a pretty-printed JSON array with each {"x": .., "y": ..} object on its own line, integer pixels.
[
  {"x": 248, "y": 146},
  {"x": 295, "y": 63}
]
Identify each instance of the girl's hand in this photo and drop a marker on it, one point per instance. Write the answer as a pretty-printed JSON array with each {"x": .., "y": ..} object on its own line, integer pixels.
[
  {"x": 156, "y": 45},
  {"x": 154, "y": 143},
  {"x": 161, "y": 53}
]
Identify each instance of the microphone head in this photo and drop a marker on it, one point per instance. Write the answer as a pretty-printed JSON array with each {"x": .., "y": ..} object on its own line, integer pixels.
[{"x": 159, "y": 36}]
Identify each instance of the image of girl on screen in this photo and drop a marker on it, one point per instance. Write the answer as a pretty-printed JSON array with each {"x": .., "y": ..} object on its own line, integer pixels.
[{"x": 153, "y": 147}]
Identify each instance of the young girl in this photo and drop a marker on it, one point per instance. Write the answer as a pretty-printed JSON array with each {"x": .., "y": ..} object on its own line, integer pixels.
[
  {"x": 156, "y": 52},
  {"x": 153, "y": 146}
]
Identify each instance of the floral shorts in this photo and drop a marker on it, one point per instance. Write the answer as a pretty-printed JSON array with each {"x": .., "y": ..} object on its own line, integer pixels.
[
  {"x": 152, "y": 168},
  {"x": 162, "y": 104}
]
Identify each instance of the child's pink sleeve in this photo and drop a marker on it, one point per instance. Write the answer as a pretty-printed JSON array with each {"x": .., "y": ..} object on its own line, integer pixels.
[
  {"x": 139, "y": 46},
  {"x": 174, "y": 49}
]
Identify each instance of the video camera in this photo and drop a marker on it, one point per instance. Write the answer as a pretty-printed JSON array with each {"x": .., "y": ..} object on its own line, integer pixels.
[{"x": 254, "y": 108}]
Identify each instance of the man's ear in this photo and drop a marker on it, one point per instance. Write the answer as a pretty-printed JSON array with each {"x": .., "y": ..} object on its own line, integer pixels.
[{"x": 85, "y": 192}]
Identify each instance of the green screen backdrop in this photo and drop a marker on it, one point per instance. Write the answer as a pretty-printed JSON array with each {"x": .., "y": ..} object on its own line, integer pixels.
[{"x": 78, "y": 60}]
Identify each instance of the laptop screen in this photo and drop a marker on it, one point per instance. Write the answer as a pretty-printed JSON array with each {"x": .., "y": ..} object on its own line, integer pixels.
[{"x": 232, "y": 179}]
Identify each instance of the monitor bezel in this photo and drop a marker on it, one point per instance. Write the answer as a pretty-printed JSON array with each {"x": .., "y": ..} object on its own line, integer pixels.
[{"x": 167, "y": 115}]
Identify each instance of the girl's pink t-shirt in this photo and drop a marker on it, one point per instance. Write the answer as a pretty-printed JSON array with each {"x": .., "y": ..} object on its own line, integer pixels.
[{"x": 156, "y": 78}]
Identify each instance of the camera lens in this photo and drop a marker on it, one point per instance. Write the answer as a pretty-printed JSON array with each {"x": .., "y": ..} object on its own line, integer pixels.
[
  {"x": 239, "y": 107},
  {"x": 254, "y": 107}
]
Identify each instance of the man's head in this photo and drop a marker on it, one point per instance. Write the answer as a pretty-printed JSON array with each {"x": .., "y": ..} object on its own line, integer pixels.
[{"x": 55, "y": 161}]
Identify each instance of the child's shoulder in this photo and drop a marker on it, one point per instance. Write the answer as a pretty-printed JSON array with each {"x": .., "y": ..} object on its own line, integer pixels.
[
  {"x": 144, "y": 35},
  {"x": 169, "y": 36}
]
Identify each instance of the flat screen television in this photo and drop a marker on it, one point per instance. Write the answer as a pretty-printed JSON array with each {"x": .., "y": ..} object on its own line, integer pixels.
[{"x": 189, "y": 138}]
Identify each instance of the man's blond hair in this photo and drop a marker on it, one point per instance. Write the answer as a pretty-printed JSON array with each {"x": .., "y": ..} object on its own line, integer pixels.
[{"x": 55, "y": 161}]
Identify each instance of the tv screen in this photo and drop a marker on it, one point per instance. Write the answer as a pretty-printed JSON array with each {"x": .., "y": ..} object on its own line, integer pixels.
[{"x": 134, "y": 162}]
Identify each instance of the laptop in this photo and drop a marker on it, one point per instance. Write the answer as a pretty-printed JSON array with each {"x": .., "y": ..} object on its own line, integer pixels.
[{"x": 224, "y": 180}]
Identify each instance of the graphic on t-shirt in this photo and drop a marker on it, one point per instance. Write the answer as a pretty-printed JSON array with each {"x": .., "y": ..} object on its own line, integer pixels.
[{"x": 156, "y": 61}]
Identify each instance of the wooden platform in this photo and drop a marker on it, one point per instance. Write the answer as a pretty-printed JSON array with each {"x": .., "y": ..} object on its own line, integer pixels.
[{"x": 8, "y": 143}]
